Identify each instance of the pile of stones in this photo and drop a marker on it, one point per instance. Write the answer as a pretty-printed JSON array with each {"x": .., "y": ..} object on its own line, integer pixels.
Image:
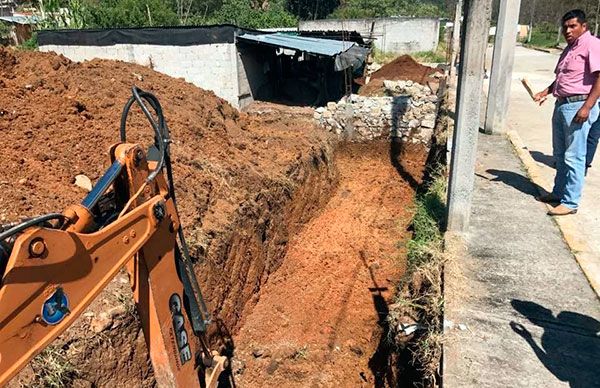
[{"x": 408, "y": 112}]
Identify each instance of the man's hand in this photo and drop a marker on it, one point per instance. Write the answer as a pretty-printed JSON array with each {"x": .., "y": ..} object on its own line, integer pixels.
[
  {"x": 582, "y": 115},
  {"x": 520, "y": 330},
  {"x": 541, "y": 97}
]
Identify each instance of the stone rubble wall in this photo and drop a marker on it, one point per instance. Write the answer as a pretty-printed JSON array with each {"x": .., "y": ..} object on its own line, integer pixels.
[{"x": 409, "y": 113}]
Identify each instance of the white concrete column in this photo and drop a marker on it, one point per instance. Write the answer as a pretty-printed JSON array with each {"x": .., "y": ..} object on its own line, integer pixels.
[
  {"x": 455, "y": 37},
  {"x": 502, "y": 67},
  {"x": 470, "y": 87}
]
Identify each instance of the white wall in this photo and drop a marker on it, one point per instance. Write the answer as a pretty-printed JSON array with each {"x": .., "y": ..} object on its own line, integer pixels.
[
  {"x": 397, "y": 35},
  {"x": 212, "y": 66}
]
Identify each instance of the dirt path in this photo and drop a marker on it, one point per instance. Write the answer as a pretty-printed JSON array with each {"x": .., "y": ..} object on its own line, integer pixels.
[{"x": 316, "y": 323}]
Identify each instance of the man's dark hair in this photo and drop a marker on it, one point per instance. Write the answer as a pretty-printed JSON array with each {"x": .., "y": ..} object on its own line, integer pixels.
[{"x": 575, "y": 14}]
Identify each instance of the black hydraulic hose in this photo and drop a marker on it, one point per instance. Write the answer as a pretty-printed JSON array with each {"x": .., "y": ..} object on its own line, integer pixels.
[
  {"x": 128, "y": 105},
  {"x": 161, "y": 138},
  {"x": 29, "y": 223},
  {"x": 158, "y": 128}
]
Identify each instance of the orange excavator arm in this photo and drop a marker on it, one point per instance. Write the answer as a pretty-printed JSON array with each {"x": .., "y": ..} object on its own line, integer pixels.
[{"x": 52, "y": 267}]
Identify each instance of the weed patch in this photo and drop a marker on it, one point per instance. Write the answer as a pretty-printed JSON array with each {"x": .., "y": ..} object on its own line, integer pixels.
[
  {"x": 415, "y": 319},
  {"x": 53, "y": 369}
]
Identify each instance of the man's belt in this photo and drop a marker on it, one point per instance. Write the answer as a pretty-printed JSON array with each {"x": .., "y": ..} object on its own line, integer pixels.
[{"x": 576, "y": 98}]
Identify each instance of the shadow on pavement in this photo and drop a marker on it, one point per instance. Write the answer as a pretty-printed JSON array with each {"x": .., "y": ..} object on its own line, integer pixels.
[
  {"x": 569, "y": 346},
  {"x": 540, "y": 157},
  {"x": 518, "y": 181}
]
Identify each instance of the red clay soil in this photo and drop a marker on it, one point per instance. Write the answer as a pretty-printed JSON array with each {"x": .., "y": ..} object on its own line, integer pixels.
[
  {"x": 403, "y": 68},
  {"x": 233, "y": 174},
  {"x": 316, "y": 324},
  {"x": 58, "y": 119},
  {"x": 246, "y": 185}
]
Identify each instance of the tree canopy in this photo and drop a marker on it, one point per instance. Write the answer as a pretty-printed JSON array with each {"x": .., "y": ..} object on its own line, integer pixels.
[
  {"x": 271, "y": 13},
  {"x": 244, "y": 13},
  {"x": 378, "y": 8}
]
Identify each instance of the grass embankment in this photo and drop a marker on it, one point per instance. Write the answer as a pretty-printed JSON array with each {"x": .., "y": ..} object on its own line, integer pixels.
[
  {"x": 416, "y": 319},
  {"x": 439, "y": 55},
  {"x": 544, "y": 36}
]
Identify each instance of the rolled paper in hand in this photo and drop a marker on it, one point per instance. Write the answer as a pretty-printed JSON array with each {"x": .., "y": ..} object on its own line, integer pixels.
[{"x": 527, "y": 86}]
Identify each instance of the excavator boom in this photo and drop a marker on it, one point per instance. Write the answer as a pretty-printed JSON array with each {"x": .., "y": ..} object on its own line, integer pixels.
[{"x": 52, "y": 267}]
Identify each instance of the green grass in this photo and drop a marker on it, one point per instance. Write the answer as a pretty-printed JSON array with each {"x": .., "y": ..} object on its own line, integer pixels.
[
  {"x": 436, "y": 56},
  {"x": 383, "y": 57},
  {"x": 439, "y": 55},
  {"x": 430, "y": 210},
  {"x": 544, "y": 36},
  {"x": 420, "y": 296},
  {"x": 430, "y": 56},
  {"x": 30, "y": 44}
]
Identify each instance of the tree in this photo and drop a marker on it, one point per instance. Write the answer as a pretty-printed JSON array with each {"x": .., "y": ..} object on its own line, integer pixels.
[
  {"x": 130, "y": 13},
  {"x": 552, "y": 10},
  {"x": 62, "y": 13},
  {"x": 379, "y": 8},
  {"x": 183, "y": 8},
  {"x": 245, "y": 13},
  {"x": 312, "y": 9}
]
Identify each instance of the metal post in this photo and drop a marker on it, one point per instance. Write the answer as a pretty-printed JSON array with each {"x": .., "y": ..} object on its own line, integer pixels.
[
  {"x": 502, "y": 66},
  {"x": 470, "y": 85}
]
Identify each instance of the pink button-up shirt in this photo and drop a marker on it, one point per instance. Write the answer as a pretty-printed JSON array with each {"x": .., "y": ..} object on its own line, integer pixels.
[{"x": 577, "y": 67}]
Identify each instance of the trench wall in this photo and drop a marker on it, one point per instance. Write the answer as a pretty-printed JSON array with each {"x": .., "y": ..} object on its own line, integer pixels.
[
  {"x": 239, "y": 260},
  {"x": 395, "y": 35},
  {"x": 209, "y": 66}
]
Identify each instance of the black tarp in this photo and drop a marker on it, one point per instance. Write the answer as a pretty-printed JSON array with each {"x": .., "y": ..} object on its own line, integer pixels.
[
  {"x": 349, "y": 36},
  {"x": 353, "y": 57},
  {"x": 165, "y": 36}
]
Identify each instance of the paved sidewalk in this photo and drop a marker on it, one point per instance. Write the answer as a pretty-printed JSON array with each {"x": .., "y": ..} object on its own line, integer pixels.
[
  {"x": 519, "y": 310},
  {"x": 532, "y": 133}
]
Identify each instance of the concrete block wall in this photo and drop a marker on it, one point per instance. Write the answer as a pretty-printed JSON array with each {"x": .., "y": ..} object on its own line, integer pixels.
[
  {"x": 210, "y": 66},
  {"x": 398, "y": 35},
  {"x": 253, "y": 65}
]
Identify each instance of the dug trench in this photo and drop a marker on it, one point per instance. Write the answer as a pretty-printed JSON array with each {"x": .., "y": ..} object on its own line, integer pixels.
[
  {"x": 319, "y": 319},
  {"x": 299, "y": 238}
]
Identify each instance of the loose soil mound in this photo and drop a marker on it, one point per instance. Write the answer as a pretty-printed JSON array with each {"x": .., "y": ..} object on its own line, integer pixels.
[
  {"x": 7, "y": 61},
  {"x": 234, "y": 175},
  {"x": 403, "y": 68}
]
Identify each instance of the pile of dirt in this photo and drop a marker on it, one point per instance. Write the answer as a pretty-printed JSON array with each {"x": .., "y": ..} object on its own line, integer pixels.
[
  {"x": 403, "y": 68},
  {"x": 235, "y": 175}
]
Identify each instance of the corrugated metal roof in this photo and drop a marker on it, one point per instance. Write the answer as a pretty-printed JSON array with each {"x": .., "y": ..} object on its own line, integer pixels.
[
  {"x": 318, "y": 46},
  {"x": 19, "y": 19}
]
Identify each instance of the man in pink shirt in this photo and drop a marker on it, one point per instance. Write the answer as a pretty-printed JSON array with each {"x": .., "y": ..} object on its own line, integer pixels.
[{"x": 577, "y": 89}]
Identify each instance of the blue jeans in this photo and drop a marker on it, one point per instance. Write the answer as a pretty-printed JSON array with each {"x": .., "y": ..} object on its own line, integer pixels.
[
  {"x": 569, "y": 143},
  {"x": 592, "y": 143}
]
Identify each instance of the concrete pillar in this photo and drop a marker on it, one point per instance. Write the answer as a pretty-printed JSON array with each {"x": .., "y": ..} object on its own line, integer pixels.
[
  {"x": 470, "y": 84},
  {"x": 502, "y": 67},
  {"x": 455, "y": 37}
]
